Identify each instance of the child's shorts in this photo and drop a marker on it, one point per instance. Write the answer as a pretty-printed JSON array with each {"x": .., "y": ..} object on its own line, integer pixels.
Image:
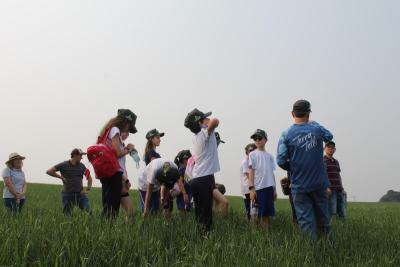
[{"x": 265, "y": 202}]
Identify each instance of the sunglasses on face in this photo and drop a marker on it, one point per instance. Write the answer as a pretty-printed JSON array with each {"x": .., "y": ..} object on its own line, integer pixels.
[{"x": 258, "y": 138}]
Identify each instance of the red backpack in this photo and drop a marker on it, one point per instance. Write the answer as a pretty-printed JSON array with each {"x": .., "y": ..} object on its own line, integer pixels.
[{"x": 103, "y": 158}]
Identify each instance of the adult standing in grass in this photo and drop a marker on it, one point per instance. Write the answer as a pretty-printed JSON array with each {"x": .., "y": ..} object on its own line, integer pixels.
[
  {"x": 202, "y": 182},
  {"x": 71, "y": 174},
  {"x": 300, "y": 151},
  {"x": 14, "y": 184},
  {"x": 112, "y": 186},
  {"x": 262, "y": 184},
  {"x": 335, "y": 191},
  {"x": 244, "y": 178},
  {"x": 153, "y": 141}
]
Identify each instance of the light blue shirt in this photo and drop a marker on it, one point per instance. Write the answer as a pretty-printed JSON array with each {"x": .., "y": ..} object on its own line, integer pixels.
[{"x": 18, "y": 180}]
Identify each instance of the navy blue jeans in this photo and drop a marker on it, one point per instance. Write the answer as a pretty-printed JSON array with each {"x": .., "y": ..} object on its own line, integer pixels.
[
  {"x": 11, "y": 205},
  {"x": 312, "y": 212},
  {"x": 336, "y": 204},
  {"x": 71, "y": 200}
]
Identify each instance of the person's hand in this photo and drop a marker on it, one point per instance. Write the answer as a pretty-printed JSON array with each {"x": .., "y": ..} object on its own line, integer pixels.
[
  {"x": 186, "y": 198},
  {"x": 130, "y": 147},
  {"x": 275, "y": 196},
  {"x": 128, "y": 185},
  {"x": 88, "y": 189},
  {"x": 63, "y": 180},
  {"x": 329, "y": 191},
  {"x": 145, "y": 214},
  {"x": 253, "y": 195}
]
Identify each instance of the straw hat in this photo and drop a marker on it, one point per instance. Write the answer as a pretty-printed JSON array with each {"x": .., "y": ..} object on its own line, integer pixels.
[{"x": 14, "y": 156}]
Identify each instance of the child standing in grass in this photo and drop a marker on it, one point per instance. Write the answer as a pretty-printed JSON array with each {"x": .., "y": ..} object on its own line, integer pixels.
[
  {"x": 300, "y": 151},
  {"x": 206, "y": 165},
  {"x": 244, "y": 178},
  {"x": 262, "y": 179}
]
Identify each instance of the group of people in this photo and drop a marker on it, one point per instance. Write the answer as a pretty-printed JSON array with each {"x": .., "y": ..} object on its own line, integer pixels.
[{"x": 314, "y": 183}]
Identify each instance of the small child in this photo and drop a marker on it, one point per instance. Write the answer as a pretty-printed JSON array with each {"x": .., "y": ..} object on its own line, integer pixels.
[
  {"x": 244, "y": 178},
  {"x": 262, "y": 179}
]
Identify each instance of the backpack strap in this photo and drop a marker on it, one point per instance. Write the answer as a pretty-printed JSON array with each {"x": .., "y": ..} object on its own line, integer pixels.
[{"x": 103, "y": 139}]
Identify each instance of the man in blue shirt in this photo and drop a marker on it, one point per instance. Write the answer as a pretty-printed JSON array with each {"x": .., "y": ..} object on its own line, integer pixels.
[{"x": 301, "y": 151}]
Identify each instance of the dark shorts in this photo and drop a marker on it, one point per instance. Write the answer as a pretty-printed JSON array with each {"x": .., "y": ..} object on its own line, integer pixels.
[{"x": 265, "y": 202}]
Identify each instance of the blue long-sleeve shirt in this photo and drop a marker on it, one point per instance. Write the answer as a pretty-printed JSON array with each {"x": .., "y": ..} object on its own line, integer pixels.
[{"x": 301, "y": 151}]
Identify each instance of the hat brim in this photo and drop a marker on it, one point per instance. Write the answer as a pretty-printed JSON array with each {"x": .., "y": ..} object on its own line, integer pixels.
[
  {"x": 161, "y": 134},
  {"x": 222, "y": 142},
  {"x": 133, "y": 129},
  {"x": 14, "y": 158},
  {"x": 254, "y": 136}
]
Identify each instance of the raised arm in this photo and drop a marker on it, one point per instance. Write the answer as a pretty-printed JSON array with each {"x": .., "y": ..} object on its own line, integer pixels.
[{"x": 212, "y": 125}]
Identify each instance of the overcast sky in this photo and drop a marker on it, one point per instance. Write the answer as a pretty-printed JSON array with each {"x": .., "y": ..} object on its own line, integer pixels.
[{"x": 67, "y": 66}]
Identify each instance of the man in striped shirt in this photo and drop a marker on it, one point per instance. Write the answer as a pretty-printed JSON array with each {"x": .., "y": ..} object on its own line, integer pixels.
[{"x": 335, "y": 190}]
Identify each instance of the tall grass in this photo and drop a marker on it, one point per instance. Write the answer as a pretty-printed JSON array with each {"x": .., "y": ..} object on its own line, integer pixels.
[{"x": 43, "y": 236}]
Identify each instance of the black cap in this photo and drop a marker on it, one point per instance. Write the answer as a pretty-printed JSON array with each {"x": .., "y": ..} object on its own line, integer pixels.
[
  {"x": 330, "y": 143},
  {"x": 150, "y": 134},
  {"x": 76, "y": 152},
  {"x": 168, "y": 175},
  {"x": 302, "y": 106},
  {"x": 221, "y": 188},
  {"x": 129, "y": 116},
  {"x": 218, "y": 137},
  {"x": 192, "y": 119},
  {"x": 259, "y": 134},
  {"x": 182, "y": 155},
  {"x": 250, "y": 147}
]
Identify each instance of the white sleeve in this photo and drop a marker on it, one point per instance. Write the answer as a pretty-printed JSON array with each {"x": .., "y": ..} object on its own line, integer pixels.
[
  {"x": 245, "y": 168},
  {"x": 252, "y": 161},
  {"x": 114, "y": 131},
  {"x": 273, "y": 165}
]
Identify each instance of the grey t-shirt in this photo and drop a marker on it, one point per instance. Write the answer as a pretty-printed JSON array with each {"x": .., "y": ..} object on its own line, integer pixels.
[
  {"x": 73, "y": 174},
  {"x": 18, "y": 180}
]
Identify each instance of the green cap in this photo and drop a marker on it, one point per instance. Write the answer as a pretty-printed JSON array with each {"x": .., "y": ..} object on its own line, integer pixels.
[
  {"x": 129, "y": 116},
  {"x": 259, "y": 134},
  {"x": 150, "y": 134},
  {"x": 182, "y": 155},
  {"x": 250, "y": 147},
  {"x": 167, "y": 175},
  {"x": 192, "y": 119}
]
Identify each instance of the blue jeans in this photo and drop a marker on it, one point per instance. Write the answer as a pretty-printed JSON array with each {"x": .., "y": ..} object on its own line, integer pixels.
[
  {"x": 312, "y": 212},
  {"x": 11, "y": 205},
  {"x": 70, "y": 200},
  {"x": 336, "y": 204},
  {"x": 154, "y": 205}
]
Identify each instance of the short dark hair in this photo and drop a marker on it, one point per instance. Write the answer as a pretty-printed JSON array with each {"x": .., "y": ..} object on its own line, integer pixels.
[{"x": 299, "y": 114}]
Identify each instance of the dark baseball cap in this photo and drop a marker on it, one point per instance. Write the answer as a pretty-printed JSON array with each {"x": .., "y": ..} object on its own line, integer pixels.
[
  {"x": 302, "y": 106},
  {"x": 129, "y": 116},
  {"x": 218, "y": 137},
  {"x": 150, "y": 134},
  {"x": 250, "y": 147},
  {"x": 76, "y": 152},
  {"x": 330, "y": 143},
  {"x": 182, "y": 155},
  {"x": 193, "y": 117},
  {"x": 167, "y": 175},
  {"x": 259, "y": 134}
]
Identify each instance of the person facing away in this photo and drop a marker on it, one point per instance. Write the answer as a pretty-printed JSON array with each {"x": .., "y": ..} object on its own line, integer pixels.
[
  {"x": 71, "y": 174},
  {"x": 202, "y": 181},
  {"x": 261, "y": 181},
  {"x": 335, "y": 191},
  {"x": 14, "y": 184},
  {"x": 300, "y": 151}
]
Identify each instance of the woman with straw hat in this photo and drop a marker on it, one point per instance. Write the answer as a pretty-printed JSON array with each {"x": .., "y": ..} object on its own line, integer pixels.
[{"x": 14, "y": 183}]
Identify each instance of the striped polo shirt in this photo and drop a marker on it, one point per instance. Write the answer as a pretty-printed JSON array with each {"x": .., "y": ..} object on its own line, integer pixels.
[{"x": 333, "y": 170}]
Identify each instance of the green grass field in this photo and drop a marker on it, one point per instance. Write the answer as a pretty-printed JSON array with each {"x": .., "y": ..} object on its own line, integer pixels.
[{"x": 42, "y": 236}]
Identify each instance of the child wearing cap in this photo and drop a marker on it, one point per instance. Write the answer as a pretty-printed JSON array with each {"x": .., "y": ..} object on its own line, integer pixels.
[
  {"x": 202, "y": 182},
  {"x": 261, "y": 181},
  {"x": 153, "y": 141},
  {"x": 184, "y": 198},
  {"x": 159, "y": 172},
  {"x": 335, "y": 191},
  {"x": 300, "y": 151},
  {"x": 244, "y": 178}
]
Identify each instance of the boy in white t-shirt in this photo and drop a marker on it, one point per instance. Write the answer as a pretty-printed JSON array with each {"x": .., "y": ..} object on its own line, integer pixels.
[
  {"x": 202, "y": 182},
  {"x": 244, "y": 178},
  {"x": 262, "y": 179}
]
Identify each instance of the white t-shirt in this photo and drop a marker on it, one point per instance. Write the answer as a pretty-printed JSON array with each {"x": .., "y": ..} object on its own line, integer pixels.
[
  {"x": 205, "y": 149},
  {"x": 244, "y": 171},
  {"x": 263, "y": 165},
  {"x": 114, "y": 131},
  {"x": 149, "y": 174}
]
